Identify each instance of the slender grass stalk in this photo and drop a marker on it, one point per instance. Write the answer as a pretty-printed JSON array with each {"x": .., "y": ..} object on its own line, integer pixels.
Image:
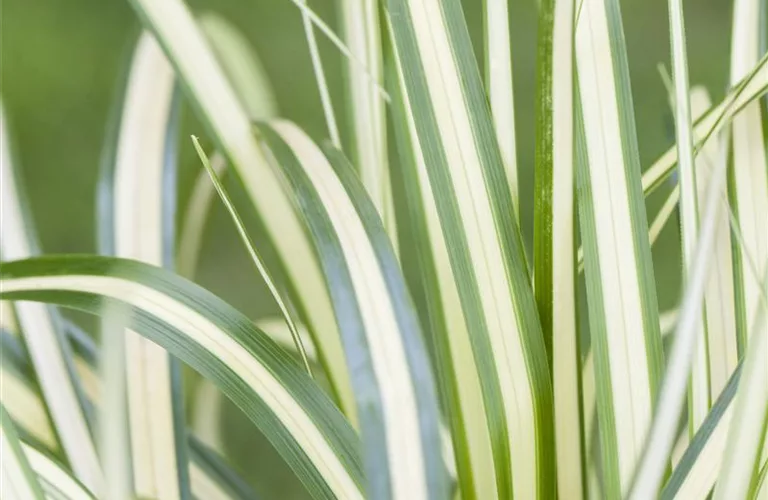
[
  {"x": 322, "y": 84},
  {"x": 454, "y": 128},
  {"x": 254, "y": 254}
]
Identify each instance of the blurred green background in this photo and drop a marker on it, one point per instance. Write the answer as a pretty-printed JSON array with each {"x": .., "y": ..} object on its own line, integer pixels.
[{"x": 61, "y": 61}]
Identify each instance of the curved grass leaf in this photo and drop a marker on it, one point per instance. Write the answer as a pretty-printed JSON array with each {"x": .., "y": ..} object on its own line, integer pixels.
[
  {"x": 201, "y": 330},
  {"x": 19, "y": 481},
  {"x": 55, "y": 480},
  {"x": 397, "y": 403},
  {"x": 40, "y": 327},
  {"x": 621, "y": 294},
  {"x": 208, "y": 473},
  {"x": 698, "y": 469},
  {"x": 453, "y": 127},
  {"x": 444, "y": 323}
]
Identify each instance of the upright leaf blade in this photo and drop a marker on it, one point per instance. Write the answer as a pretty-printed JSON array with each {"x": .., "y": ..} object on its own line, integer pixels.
[
  {"x": 621, "y": 293},
  {"x": 466, "y": 173},
  {"x": 397, "y": 403},
  {"x": 445, "y": 324},
  {"x": 750, "y": 165},
  {"x": 144, "y": 209},
  {"x": 368, "y": 138}
]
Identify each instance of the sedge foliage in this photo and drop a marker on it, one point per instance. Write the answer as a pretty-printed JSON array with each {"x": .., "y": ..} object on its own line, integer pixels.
[{"x": 482, "y": 391}]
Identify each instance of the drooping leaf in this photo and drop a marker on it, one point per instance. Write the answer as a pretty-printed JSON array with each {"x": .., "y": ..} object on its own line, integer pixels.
[
  {"x": 397, "y": 403},
  {"x": 260, "y": 378}
]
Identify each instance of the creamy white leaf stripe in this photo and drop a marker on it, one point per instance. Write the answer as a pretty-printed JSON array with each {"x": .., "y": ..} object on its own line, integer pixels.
[
  {"x": 322, "y": 84},
  {"x": 401, "y": 419},
  {"x": 195, "y": 64},
  {"x": 139, "y": 189},
  {"x": 40, "y": 335},
  {"x": 750, "y": 160},
  {"x": 26, "y": 409},
  {"x": 627, "y": 363},
  {"x": 200, "y": 330},
  {"x": 498, "y": 64}
]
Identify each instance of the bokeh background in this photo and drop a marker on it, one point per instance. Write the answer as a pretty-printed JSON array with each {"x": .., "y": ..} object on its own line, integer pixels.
[{"x": 61, "y": 62}]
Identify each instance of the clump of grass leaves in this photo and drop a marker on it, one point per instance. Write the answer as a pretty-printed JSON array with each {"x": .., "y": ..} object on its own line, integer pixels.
[{"x": 483, "y": 390}]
